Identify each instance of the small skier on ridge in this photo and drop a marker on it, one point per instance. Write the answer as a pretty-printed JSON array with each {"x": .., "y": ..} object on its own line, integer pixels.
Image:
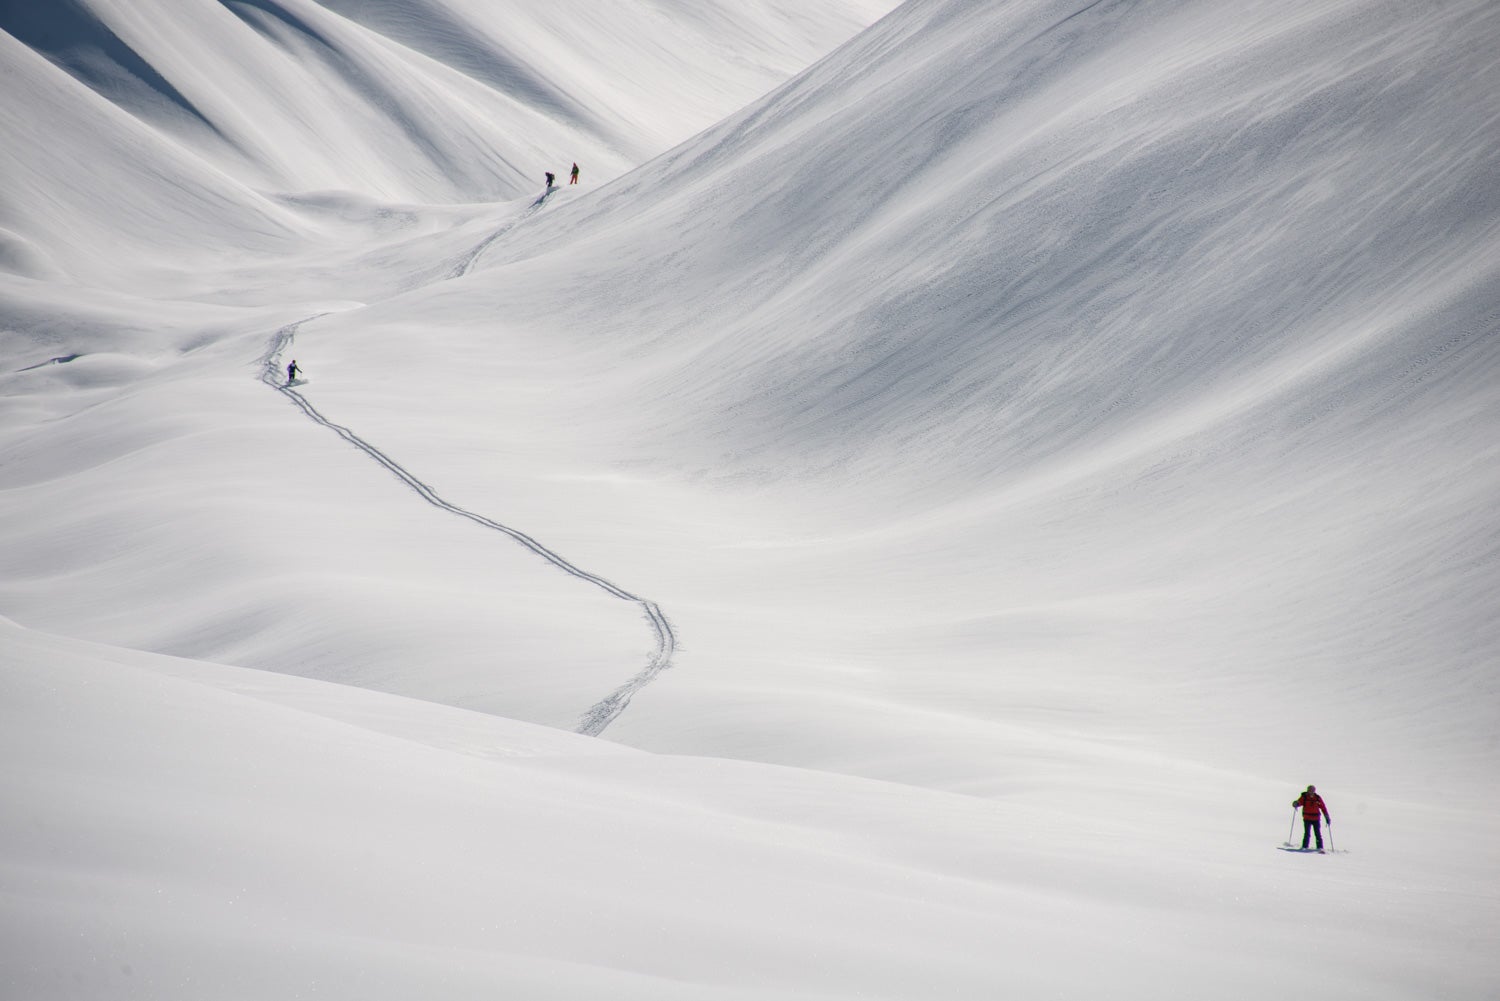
[
  {"x": 573, "y": 177},
  {"x": 551, "y": 177},
  {"x": 292, "y": 371},
  {"x": 1313, "y": 810}
]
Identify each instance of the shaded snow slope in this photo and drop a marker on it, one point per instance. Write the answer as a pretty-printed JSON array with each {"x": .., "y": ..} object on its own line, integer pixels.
[
  {"x": 1140, "y": 207},
  {"x": 130, "y": 125},
  {"x": 1156, "y": 342}
]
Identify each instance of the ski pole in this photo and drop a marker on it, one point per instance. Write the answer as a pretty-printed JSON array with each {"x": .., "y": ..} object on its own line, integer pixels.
[
  {"x": 1293, "y": 829},
  {"x": 1330, "y": 834}
]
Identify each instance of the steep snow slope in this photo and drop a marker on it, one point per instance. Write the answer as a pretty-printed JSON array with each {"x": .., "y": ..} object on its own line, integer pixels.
[
  {"x": 131, "y": 124},
  {"x": 1135, "y": 341}
]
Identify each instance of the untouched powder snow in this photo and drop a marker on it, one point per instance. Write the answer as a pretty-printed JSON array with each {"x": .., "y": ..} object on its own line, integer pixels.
[{"x": 974, "y": 463}]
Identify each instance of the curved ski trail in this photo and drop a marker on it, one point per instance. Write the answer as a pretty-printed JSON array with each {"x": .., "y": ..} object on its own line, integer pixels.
[
  {"x": 607, "y": 710},
  {"x": 467, "y": 262}
]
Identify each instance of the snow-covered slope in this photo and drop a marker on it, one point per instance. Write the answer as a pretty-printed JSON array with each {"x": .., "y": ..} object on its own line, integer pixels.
[
  {"x": 1037, "y": 441},
  {"x": 1152, "y": 343},
  {"x": 154, "y": 125},
  {"x": 180, "y": 830}
]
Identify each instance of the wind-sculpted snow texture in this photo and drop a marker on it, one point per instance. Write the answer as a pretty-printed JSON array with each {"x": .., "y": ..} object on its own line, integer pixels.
[
  {"x": 604, "y": 712},
  {"x": 1060, "y": 431},
  {"x": 1188, "y": 310},
  {"x": 176, "y": 124}
]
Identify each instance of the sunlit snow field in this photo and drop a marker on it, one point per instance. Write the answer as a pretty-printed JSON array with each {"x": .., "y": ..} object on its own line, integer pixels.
[{"x": 905, "y": 525}]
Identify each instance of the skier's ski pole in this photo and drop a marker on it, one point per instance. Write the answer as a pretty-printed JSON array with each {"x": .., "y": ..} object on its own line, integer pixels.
[
  {"x": 1330, "y": 834},
  {"x": 1293, "y": 829}
]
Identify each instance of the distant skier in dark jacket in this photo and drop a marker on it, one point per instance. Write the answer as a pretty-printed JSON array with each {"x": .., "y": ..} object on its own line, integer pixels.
[
  {"x": 550, "y": 178},
  {"x": 292, "y": 371},
  {"x": 1313, "y": 812},
  {"x": 573, "y": 177}
]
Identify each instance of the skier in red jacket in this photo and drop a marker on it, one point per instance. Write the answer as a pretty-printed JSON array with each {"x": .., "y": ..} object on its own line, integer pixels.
[{"x": 1313, "y": 810}]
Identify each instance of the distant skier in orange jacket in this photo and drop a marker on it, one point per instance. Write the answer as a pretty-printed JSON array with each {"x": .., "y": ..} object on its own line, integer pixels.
[{"x": 1313, "y": 810}]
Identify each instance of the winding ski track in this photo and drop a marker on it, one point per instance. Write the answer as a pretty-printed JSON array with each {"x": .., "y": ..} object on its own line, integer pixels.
[
  {"x": 607, "y": 710},
  {"x": 467, "y": 262}
]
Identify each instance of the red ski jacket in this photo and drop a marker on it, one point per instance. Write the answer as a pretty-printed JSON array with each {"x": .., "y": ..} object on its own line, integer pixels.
[{"x": 1312, "y": 805}]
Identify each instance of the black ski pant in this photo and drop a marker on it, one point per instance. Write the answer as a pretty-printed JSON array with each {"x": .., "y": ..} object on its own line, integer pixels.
[{"x": 1312, "y": 827}]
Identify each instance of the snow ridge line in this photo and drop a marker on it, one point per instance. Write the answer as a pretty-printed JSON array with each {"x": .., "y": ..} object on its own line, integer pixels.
[{"x": 607, "y": 710}]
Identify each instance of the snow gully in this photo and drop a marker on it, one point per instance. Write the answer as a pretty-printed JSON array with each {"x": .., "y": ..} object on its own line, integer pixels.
[{"x": 607, "y": 710}]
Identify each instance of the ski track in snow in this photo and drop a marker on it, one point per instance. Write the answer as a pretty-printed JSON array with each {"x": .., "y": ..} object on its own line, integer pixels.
[
  {"x": 601, "y": 714},
  {"x": 466, "y": 264}
]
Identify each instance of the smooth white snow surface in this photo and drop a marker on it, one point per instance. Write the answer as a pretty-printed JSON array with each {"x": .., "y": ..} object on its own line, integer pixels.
[{"x": 973, "y": 486}]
